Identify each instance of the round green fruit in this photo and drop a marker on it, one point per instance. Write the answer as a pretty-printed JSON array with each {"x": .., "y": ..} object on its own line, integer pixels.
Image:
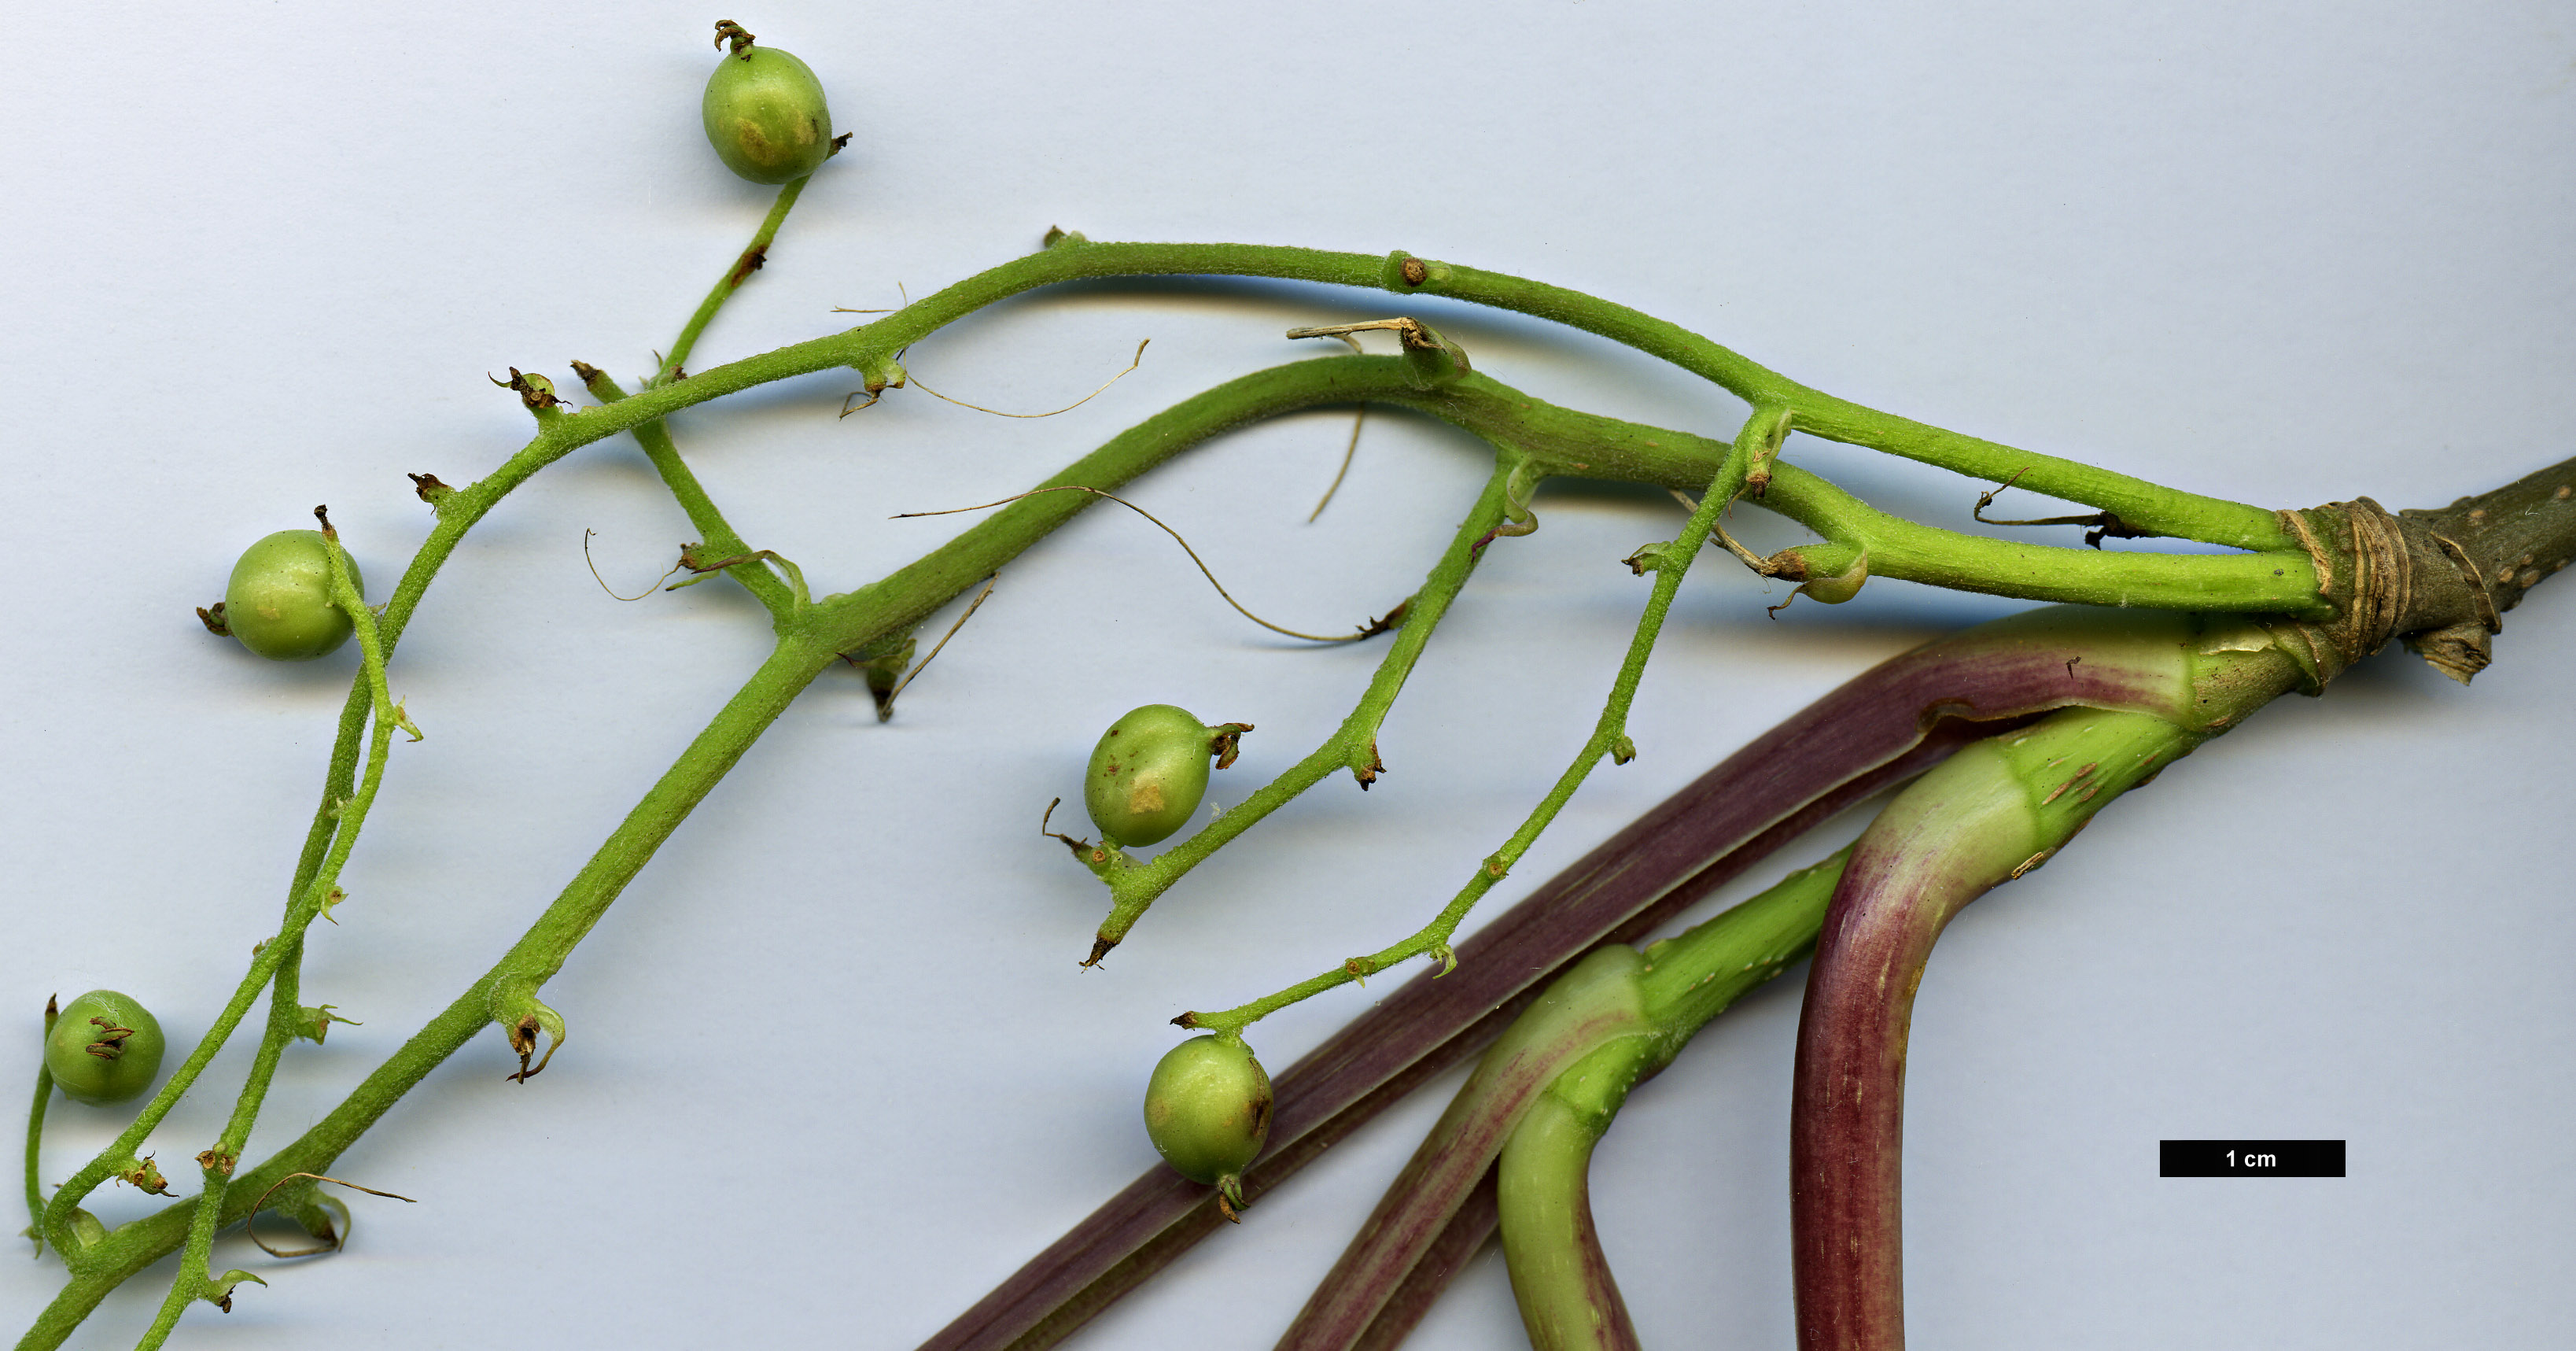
[
  {"x": 1148, "y": 774},
  {"x": 1150, "y": 771},
  {"x": 104, "y": 1048},
  {"x": 1207, "y": 1110},
  {"x": 766, "y": 117},
  {"x": 279, "y": 601}
]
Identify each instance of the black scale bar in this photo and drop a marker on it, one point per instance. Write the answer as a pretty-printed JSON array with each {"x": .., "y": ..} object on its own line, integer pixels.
[{"x": 2250, "y": 1158}]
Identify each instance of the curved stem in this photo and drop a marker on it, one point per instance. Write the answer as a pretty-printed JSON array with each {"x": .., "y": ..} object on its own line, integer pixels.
[
  {"x": 1988, "y": 814},
  {"x": 1560, "y": 1278},
  {"x": 1601, "y": 1026},
  {"x": 1592, "y": 1005},
  {"x": 871, "y": 348}
]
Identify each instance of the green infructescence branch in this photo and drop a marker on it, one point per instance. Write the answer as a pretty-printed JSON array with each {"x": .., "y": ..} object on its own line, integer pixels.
[
  {"x": 89, "y": 1258},
  {"x": 1540, "y": 437},
  {"x": 812, "y": 635},
  {"x": 370, "y": 699},
  {"x": 870, "y": 349},
  {"x": 1609, "y": 738},
  {"x": 215, "y": 1165},
  {"x": 714, "y": 532},
  {"x": 1353, "y": 746},
  {"x": 808, "y": 645}
]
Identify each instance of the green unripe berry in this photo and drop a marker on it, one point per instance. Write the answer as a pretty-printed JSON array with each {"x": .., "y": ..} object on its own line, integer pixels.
[
  {"x": 104, "y": 1048},
  {"x": 765, "y": 115},
  {"x": 1151, "y": 769},
  {"x": 279, "y": 602},
  {"x": 1207, "y": 1110}
]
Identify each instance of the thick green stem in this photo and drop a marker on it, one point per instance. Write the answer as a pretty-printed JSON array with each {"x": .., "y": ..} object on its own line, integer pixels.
[
  {"x": 1571, "y": 442},
  {"x": 2145, "y": 505},
  {"x": 2282, "y": 582},
  {"x": 1560, "y": 1279},
  {"x": 871, "y": 349}
]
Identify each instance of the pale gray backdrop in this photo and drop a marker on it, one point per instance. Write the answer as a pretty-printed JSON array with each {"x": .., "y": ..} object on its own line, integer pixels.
[{"x": 833, "y": 1071}]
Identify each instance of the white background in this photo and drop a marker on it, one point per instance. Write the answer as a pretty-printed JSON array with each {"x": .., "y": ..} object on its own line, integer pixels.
[{"x": 833, "y": 1071}]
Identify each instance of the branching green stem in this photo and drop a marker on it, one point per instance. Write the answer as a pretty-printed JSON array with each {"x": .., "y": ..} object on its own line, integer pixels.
[
  {"x": 285, "y": 1006},
  {"x": 714, "y": 531},
  {"x": 871, "y": 349},
  {"x": 655, "y": 437},
  {"x": 351, "y": 818},
  {"x": 1352, "y": 746},
  {"x": 1557, "y": 440},
  {"x": 1608, "y": 732},
  {"x": 2278, "y": 582},
  {"x": 1569, "y": 441},
  {"x": 810, "y": 638},
  {"x": 808, "y": 646}
]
